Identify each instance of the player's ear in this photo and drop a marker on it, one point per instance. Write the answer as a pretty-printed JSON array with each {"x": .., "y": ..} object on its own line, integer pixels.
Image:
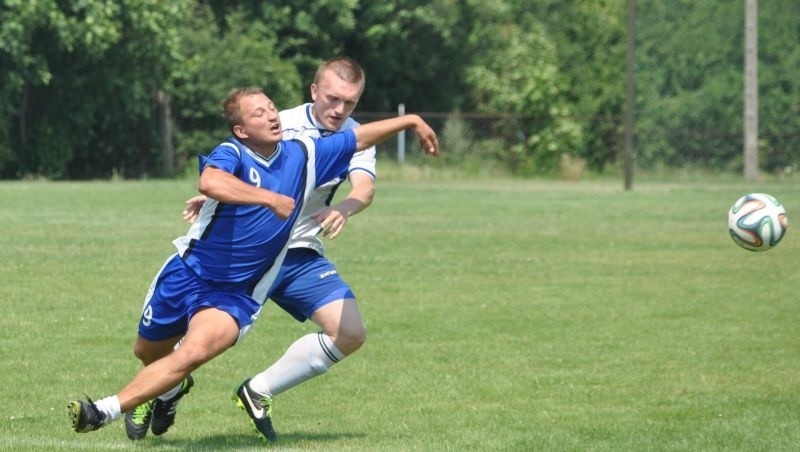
[
  {"x": 313, "y": 90},
  {"x": 239, "y": 132}
]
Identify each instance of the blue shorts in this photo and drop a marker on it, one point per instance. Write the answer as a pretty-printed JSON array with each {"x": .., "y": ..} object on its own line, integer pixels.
[
  {"x": 177, "y": 293},
  {"x": 307, "y": 282}
]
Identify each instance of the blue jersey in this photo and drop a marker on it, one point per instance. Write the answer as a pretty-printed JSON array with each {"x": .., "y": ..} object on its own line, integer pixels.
[{"x": 234, "y": 245}]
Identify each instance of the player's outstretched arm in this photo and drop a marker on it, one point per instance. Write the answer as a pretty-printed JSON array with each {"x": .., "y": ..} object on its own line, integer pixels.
[
  {"x": 333, "y": 219},
  {"x": 225, "y": 187},
  {"x": 373, "y": 133}
]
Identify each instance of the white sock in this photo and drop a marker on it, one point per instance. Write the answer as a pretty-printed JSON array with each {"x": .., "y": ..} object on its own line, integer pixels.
[
  {"x": 110, "y": 407},
  {"x": 172, "y": 392},
  {"x": 309, "y": 356}
]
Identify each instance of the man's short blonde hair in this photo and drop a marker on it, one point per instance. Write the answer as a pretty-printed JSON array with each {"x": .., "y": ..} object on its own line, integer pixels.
[{"x": 345, "y": 68}]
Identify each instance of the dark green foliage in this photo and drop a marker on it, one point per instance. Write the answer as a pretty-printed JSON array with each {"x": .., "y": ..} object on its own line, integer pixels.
[
  {"x": 216, "y": 58},
  {"x": 414, "y": 52},
  {"x": 80, "y": 81},
  {"x": 779, "y": 84},
  {"x": 690, "y": 64}
]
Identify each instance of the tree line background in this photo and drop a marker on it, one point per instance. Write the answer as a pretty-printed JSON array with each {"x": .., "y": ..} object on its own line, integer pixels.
[{"x": 86, "y": 85}]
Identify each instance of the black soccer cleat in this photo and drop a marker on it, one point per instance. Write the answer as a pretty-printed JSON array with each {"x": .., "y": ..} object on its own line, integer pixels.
[
  {"x": 85, "y": 416},
  {"x": 164, "y": 411},
  {"x": 259, "y": 408},
  {"x": 137, "y": 421}
]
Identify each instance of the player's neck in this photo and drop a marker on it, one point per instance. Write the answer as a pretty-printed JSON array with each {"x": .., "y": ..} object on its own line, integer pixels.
[{"x": 265, "y": 150}]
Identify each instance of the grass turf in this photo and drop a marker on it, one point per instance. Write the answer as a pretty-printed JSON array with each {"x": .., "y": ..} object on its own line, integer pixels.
[{"x": 502, "y": 315}]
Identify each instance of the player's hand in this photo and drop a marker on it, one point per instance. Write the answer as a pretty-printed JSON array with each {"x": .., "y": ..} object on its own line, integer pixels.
[
  {"x": 193, "y": 206},
  {"x": 427, "y": 139},
  {"x": 331, "y": 220},
  {"x": 282, "y": 206}
]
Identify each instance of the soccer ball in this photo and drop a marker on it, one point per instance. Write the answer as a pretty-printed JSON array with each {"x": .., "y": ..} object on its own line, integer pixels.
[{"x": 757, "y": 222}]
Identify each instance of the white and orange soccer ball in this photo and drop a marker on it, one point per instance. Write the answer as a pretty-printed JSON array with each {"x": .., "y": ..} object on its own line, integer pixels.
[{"x": 757, "y": 222}]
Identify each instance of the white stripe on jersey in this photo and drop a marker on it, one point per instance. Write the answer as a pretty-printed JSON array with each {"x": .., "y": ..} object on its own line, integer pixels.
[
  {"x": 232, "y": 146},
  {"x": 197, "y": 228},
  {"x": 265, "y": 283}
]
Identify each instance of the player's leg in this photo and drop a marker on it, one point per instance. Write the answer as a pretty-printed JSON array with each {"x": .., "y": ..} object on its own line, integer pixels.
[
  {"x": 165, "y": 406},
  {"x": 341, "y": 321},
  {"x": 310, "y": 355},
  {"x": 163, "y": 323},
  {"x": 243, "y": 310},
  {"x": 310, "y": 287},
  {"x": 307, "y": 287},
  {"x": 164, "y": 318},
  {"x": 210, "y": 332},
  {"x": 138, "y": 420},
  {"x": 148, "y": 351}
]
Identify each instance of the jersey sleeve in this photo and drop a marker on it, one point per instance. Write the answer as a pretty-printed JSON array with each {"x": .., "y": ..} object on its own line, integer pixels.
[
  {"x": 364, "y": 162},
  {"x": 333, "y": 155},
  {"x": 225, "y": 157}
]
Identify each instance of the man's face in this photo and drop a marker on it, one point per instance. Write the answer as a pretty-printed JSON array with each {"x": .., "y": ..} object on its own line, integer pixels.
[
  {"x": 261, "y": 124},
  {"x": 334, "y": 100}
]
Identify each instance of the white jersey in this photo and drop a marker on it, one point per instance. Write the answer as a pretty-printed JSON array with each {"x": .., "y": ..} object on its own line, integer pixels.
[{"x": 298, "y": 122}]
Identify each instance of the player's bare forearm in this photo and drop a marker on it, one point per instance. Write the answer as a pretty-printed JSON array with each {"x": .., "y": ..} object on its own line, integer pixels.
[
  {"x": 333, "y": 219},
  {"x": 360, "y": 196},
  {"x": 351, "y": 206},
  {"x": 373, "y": 133},
  {"x": 225, "y": 187}
]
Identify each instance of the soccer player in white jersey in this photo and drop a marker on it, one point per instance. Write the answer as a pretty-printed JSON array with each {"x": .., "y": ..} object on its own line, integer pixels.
[
  {"x": 308, "y": 285},
  {"x": 208, "y": 294}
]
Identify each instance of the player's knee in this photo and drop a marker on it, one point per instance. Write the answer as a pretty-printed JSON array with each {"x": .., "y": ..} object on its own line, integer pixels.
[
  {"x": 359, "y": 336},
  {"x": 142, "y": 353},
  {"x": 351, "y": 338},
  {"x": 190, "y": 358},
  {"x": 147, "y": 352}
]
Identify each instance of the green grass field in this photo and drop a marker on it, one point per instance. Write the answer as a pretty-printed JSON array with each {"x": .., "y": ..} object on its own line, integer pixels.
[{"x": 502, "y": 315}]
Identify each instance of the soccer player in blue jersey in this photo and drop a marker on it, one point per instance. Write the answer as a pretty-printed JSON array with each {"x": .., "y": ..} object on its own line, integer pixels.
[
  {"x": 308, "y": 285},
  {"x": 208, "y": 294}
]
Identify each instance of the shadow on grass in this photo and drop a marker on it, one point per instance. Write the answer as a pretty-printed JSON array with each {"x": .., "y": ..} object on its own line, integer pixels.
[{"x": 219, "y": 441}]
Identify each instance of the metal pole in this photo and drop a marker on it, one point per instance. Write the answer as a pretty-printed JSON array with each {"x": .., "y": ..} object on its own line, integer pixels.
[
  {"x": 401, "y": 137},
  {"x": 630, "y": 101},
  {"x": 751, "y": 89},
  {"x": 167, "y": 146}
]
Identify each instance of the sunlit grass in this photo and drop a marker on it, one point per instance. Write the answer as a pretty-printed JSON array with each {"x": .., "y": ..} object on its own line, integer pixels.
[{"x": 502, "y": 315}]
